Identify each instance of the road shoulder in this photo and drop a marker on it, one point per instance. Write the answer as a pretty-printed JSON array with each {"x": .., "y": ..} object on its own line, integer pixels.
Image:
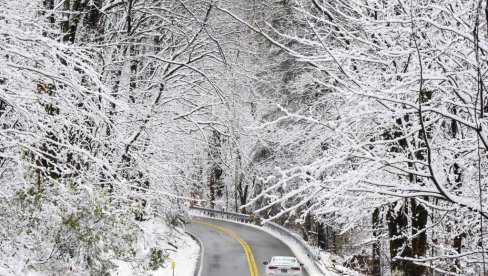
[{"x": 199, "y": 263}]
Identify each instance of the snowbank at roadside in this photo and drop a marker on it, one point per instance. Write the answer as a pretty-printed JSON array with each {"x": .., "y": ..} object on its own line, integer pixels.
[
  {"x": 332, "y": 262},
  {"x": 185, "y": 258},
  {"x": 180, "y": 247}
]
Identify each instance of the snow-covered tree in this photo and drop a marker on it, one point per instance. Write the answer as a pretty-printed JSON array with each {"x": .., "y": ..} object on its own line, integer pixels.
[{"x": 391, "y": 119}]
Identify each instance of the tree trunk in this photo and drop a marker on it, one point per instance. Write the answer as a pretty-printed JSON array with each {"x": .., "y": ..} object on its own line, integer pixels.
[
  {"x": 94, "y": 14},
  {"x": 419, "y": 240},
  {"x": 397, "y": 219},
  {"x": 65, "y": 21},
  {"x": 376, "y": 245},
  {"x": 215, "y": 171},
  {"x": 321, "y": 237}
]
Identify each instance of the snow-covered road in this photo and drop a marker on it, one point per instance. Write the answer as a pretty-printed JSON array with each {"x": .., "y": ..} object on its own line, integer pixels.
[{"x": 225, "y": 246}]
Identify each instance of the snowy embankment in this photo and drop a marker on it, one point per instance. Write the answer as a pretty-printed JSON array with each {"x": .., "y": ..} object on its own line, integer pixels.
[
  {"x": 181, "y": 248},
  {"x": 185, "y": 258},
  {"x": 173, "y": 244}
]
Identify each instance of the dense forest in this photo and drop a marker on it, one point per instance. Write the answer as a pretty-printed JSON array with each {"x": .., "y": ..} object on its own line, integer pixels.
[{"x": 359, "y": 124}]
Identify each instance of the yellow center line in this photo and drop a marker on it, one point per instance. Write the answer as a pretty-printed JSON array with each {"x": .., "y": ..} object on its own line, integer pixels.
[{"x": 253, "y": 270}]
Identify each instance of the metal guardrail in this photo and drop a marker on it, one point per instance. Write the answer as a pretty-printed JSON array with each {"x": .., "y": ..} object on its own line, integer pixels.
[
  {"x": 306, "y": 248},
  {"x": 222, "y": 214}
]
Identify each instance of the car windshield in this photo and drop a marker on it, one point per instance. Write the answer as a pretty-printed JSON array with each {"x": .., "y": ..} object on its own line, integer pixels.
[{"x": 283, "y": 260}]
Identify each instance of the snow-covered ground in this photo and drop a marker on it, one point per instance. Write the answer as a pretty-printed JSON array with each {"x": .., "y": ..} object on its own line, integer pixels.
[
  {"x": 182, "y": 249},
  {"x": 332, "y": 262},
  {"x": 185, "y": 259}
]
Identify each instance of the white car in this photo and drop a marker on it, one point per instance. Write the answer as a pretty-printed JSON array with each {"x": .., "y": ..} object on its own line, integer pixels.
[{"x": 283, "y": 266}]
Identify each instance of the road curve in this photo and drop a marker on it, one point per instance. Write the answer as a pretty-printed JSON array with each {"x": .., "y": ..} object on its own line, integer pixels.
[{"x": 225, "y": 251}]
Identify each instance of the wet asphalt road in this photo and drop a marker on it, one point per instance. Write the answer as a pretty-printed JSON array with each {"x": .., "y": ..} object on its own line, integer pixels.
[{"x": 223, "y": 254}]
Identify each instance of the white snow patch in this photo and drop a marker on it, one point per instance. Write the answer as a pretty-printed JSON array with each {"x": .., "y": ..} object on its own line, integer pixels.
[
  {"x": 185, "y": 256},
  {"x": 333, "y": 262}
]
